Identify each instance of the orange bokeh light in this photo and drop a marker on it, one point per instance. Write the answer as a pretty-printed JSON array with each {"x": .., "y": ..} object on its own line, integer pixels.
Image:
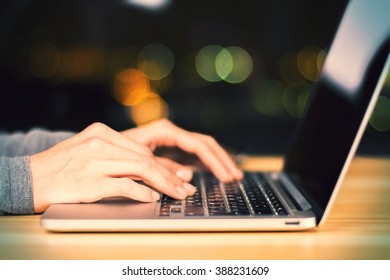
[{"x": 131, "y": 87}]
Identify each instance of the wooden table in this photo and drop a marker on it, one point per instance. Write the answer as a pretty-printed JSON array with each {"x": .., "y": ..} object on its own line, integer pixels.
[{"x": 358, "y": 228}]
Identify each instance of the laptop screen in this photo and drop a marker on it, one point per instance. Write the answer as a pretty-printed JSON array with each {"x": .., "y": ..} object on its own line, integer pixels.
[{"x": 339, "y": 101}]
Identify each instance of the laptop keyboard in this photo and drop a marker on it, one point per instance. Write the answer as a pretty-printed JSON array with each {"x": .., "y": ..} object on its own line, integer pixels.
[{"x": 253, "y": 196}]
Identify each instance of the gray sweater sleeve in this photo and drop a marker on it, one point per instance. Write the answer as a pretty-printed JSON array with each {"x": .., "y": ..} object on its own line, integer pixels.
[{"x": 15, "y": 176}]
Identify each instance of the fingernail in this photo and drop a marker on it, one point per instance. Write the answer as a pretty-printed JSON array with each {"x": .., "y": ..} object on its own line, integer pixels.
[
  {"x": 190, "y": 188},
  {"x": 156, "y": 196},
  {"x": 181, "y": 191}
]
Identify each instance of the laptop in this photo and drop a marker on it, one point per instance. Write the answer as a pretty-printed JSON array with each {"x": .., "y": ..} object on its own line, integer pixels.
[{"x": 300, "y": 196}]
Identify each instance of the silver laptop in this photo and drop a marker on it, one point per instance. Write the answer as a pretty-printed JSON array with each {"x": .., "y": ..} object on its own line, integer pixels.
[{"x": 301, "y": 195}]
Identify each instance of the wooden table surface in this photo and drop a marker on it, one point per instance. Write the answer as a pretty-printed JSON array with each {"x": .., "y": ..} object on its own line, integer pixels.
[{"x": 357, "y": 228}]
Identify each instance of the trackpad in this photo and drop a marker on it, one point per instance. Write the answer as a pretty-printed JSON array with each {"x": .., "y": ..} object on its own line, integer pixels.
[{"x": 109, "y": 208}]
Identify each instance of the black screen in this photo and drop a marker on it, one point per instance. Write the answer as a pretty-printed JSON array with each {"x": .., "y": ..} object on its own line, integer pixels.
[{"x": 339, "y": 101}]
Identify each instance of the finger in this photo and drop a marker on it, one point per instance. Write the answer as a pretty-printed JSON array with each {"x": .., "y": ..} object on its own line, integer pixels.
[
  {"x": 224, "y": 157},
  {"x": 179, "y": 170},
  {"x": 219, "y": 163},
  {"x": 192, "y": 143},
  {"x": 166, "y": 133},
  {"x": 147, "y": 170},
  {"x": 127, "y": 188},
  {"x": 100, "y": 149}
]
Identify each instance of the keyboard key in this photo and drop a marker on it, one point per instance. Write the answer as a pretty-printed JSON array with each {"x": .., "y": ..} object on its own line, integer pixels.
[
  {"x": 176, "y": 210},
  {"x": 194, "y": 211}
]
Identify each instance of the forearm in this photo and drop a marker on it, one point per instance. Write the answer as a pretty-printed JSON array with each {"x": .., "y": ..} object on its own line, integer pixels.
[
  {"x": 35, "y": 141},
  {"x": 15, "y": 174},
  {"x": 15, "y": 186}
]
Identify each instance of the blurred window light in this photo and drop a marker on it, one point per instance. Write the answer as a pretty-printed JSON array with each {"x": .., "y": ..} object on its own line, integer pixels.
[
  {"x": 205, "y": 63},
  {"x": 131, "y": 87},
  {"x": 149, "y": 110},
  {"x": 234, "y": 64},
  {"x": 149, "y": 4},
  {"x": 380, "y": 119},
  {"x": 360, "y": 36},
  {"x": 156, "y": 61}
]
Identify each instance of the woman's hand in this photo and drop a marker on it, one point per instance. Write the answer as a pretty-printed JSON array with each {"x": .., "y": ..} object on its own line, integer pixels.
[
  {"x": 164, "y": 133},
  {"x": 100, "y": 162}
]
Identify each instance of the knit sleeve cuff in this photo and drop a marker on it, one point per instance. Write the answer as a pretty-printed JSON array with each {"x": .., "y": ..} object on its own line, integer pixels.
[{"x": 16, "y": 195}]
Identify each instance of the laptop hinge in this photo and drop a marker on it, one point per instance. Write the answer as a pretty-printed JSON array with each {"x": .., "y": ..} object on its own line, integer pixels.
[{"x": 294, "y": 192}]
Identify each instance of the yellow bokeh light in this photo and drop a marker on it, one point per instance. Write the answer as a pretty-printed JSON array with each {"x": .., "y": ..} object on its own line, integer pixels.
[
  {"x": 234, "y": 64},
  {"x": 224, "y": 63},
  {"x": 156, "y": 61},
  {"x": 387, "y": 82},
  {"x": 131, "y": 87},
  {"x": 154, "y": 70},
  {"x": 321, "y": 60},
  {"x": 380, "y": 118},
  {"x": 309, "y": 61},
  {"x": 161, "y": 86},
  {"x": 205, "y": 63},
  {"x": 295, "y": 97},
  {"x": 151, "y": 109},
  {"x": 266, "y": 98}
]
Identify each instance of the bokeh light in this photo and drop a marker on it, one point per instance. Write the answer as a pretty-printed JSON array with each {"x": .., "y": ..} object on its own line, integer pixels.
[
  {"x": 387, "y": 81},
  {"x": 218, "y": 114},
  {"x": 131, "y": 87},
  {"x": 309, "y": 61},
  {"x": 44, "y": 61},
  {"x": 161, "y": 86},
  {"x": 150, "y": 4},
  {"x": 80, "y": 64},
  {"x": 267, "y": 97},
  {"x": 224, "y": 63},
  {"x": 156, "y": 61},
  {"x": 215, "y": 63},
  {"x": 295, "y": 97},
  {"x": 205, "y": 63},
  {"x": 151, "y": 109},
  {"x": 380, "y": 118},
  {"x": 234, "y": 64}
]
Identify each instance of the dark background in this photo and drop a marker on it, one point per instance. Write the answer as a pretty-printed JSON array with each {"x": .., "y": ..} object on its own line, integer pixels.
[{"x": 102, "y": 37}]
